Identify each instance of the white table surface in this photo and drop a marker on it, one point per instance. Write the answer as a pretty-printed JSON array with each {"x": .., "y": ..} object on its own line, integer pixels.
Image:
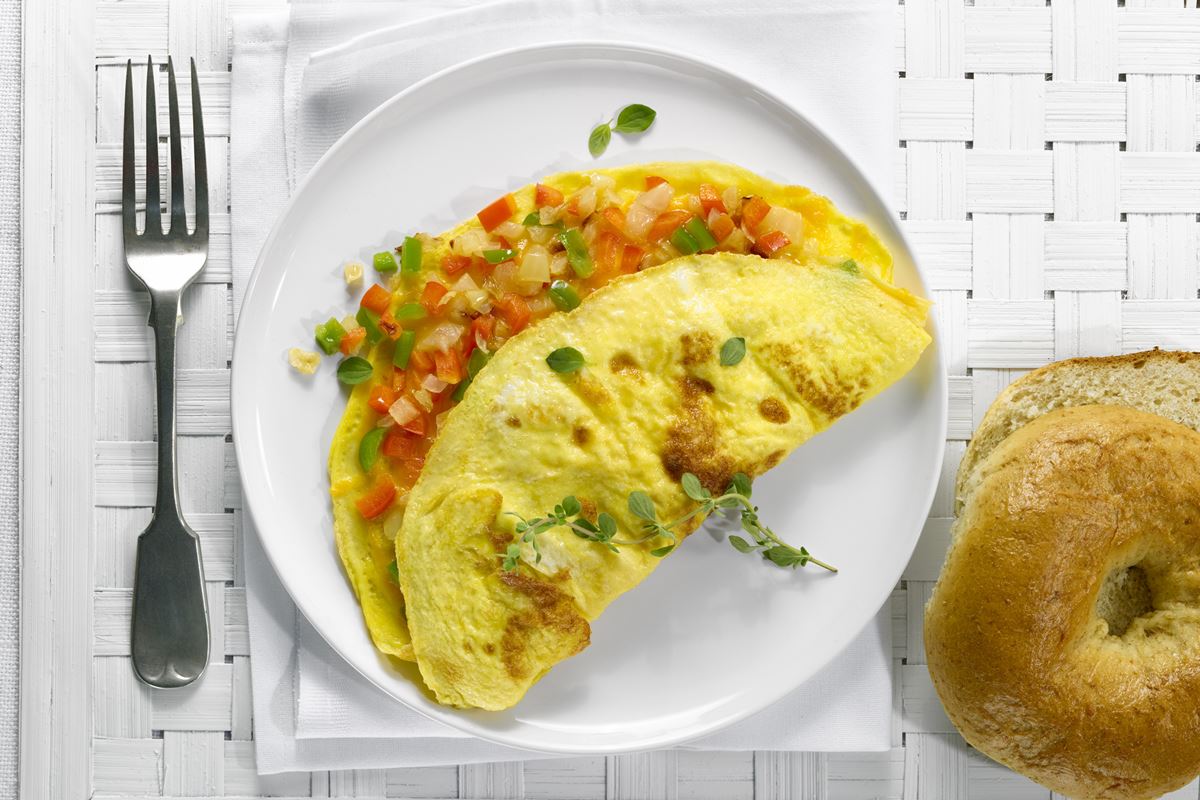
[{"x": 1047, "y": 170}]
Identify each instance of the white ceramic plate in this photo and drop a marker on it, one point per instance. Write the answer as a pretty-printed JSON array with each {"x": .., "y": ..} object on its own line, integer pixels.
[{"x": 712, "y": 636}]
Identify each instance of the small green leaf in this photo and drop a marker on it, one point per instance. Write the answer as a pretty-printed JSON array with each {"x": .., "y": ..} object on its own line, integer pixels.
[
  {"x": 394, "y": 571},
  {"x": 850, "y": 265},
  {"x": 587, "y": 525},
  {"x": 565, "y": 359},
  {"x": 531, "y": 219},
  {"x": 659, "y": 552},
  {"x": 607, "y": 525},
  {"x": 733, "y": 351},
  {"x": 368, "y": 448},
  {"x": 635, "y": 118},
  {"x": 739, "y": 484},
  {"x": 354, "y": 370},
  {"x": 692, "y": 487},
  {"x": 783, "y": 556},
  {"x": 460, "y": 391},
  {"x": 599, "y": 139},
  {"x": 571, "y": 506},
  {"x": 740, "y": 544},
  {"x": 640, "y": 505},
  {"x": 511, "y": 556}
]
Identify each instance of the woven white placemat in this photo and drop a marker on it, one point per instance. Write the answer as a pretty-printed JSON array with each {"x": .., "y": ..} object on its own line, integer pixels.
[
  {"x": 10, "y": 331},
  {"x": 1047, "y": 169}
]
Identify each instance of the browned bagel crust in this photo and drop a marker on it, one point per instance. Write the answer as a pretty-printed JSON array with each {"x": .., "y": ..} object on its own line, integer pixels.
[{"x": 1024, "y": 665}]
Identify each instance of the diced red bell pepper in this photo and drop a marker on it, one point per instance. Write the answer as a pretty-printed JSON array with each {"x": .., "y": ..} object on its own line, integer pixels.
[
  {"x": 390, "y": 325},
  {"x": 400, "y": 445},
  {"x": 631, "y": 258},
  {"x": 379, "y": 499},
  {"x": 608, "y": 249},
  {"x": 615, "y": 219},
  {"x": 771, "y": 243},
  {"x": 432, "y": 295},
  {"x": 666, "y": 224},
  {"x": 653, "y": 180},
  {"x": 753, "y": 212},
  {"x": 710, "y": 198},
  {"x": 547, "y": 196},
  {"x": 415, "y": 426},
  {"x": 452, "y": 264},
  {"x": 381, "y": 398},
  {"x": 448, "y": 366},
  {"x": 420, "y": 361},
  {"x": 353, "y": 338},
  {"x": 721, "y": 226},
  {"x": 497, "y": 212},
  {"x": 482, "y": 327},
  {"x": 376, "y": 299},
  {"x": 513, "y": 310}
]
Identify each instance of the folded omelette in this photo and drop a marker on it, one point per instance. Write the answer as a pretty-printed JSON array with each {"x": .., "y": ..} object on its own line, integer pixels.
[
  {"x": 652, "y": 402},
  {"x": 457, "y": 298}
]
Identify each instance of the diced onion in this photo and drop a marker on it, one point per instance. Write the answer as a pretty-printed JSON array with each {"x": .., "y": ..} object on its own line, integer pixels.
[
  {"x": 559, "y": 263},
  {"x": 548, "y": 215},
  {"x": 693, "y": 205},
  {"x": 443, "y": 337},
  {"x": 465, "y": 283},
  {"x": 713, "y": 215},
  {"x": 541, "y": 304},
  {"x": 304, "y": 361},
  {"x": 784, "y": 220},
  {"x": 440, "y": 419},
  {"x": 737, "y": 241},
  {"x": 646, "y": 208},
  {"x": 478, "y": 301},
  {"x": 395, "y": 517},
  {"x": 585, "y": 201},
  {"x": 403, "y": 411},
  {"x": 385, "y": 422},
  {"x": 535, "y": 264},
  {"x": 731, "y": 198},
  {"x": 471, "y": 242},
  {"x": 541, "y": 234},
  {"x": 434, "y": 384},
  {"x": 509, "y": 230},
  {"x": 424, "y": 400},
  {"x": 601, "y": 182}
]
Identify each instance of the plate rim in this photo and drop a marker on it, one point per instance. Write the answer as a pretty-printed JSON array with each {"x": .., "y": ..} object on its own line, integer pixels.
[{"x": 609, "y": 49}]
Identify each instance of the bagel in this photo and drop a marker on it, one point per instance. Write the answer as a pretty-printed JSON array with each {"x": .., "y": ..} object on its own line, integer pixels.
[
  {"x": 1063, "y": 635},
  {"x": 1162, "y": 382}
]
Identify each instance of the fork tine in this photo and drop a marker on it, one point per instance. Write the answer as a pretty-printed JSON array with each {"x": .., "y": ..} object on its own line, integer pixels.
[
  {"x": 201, "y": 163},
  {"x": 153, "y": 214},
  {"x": 128, "y": 164},
  {"x": 178, "y": 214}
]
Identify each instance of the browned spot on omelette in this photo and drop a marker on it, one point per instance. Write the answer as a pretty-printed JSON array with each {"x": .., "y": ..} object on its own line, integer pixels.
[
  {"x": 816, "y": 378},
  {"x": 546, "y": 608},
  {"x": 581, "y": 435},
  {"x": 774, "y": 411},
  {"x": 693, "y": 443},
  {"x": 697, "y": 347},
  {"x": 512, "y": 422},
  {"x": 591, "y": 390},
  {"x": 624, "y": 363}
]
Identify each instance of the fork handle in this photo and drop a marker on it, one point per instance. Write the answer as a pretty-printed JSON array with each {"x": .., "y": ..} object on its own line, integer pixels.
[
  {"x": 164, "y": 320},
  {"x": 170, "y": 627}
]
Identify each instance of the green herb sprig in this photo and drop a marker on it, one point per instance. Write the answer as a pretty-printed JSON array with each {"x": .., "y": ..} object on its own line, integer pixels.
[
  {"x": 633, "y": 118},
  {"x": 603, "y": 531}
]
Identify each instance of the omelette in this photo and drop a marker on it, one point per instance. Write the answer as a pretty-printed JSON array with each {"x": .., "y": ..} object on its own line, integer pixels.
[
  {"x": 652, "y": 402},
  {"x": 445, "y": 305}
]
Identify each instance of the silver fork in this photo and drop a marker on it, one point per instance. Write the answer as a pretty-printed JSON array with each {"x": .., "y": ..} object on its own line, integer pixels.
[{"x": 170, "y": 610}]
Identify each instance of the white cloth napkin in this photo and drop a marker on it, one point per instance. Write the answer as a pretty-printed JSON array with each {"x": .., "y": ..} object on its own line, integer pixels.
[{"x": 299, "y": 83}]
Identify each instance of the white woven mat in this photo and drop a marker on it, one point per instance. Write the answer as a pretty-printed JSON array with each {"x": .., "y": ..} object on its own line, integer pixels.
[{"x": 1048, "y": 171}]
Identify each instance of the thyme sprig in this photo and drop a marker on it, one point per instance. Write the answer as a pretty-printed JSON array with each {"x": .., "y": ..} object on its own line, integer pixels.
[{"x": 569, "y": 514}]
